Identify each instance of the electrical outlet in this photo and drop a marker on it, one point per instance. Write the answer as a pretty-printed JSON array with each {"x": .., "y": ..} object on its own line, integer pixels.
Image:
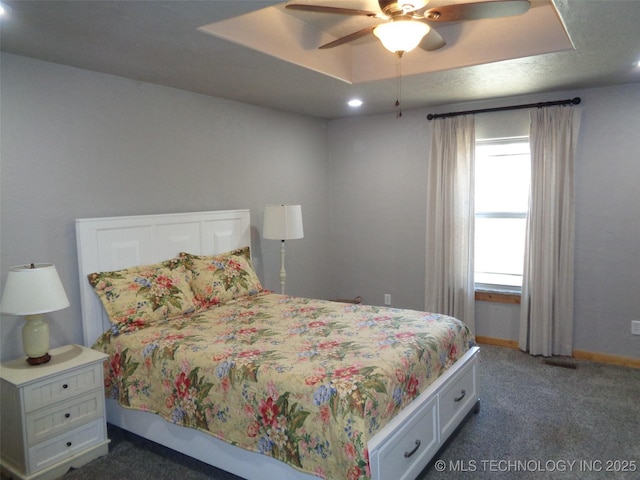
[
  {"x": 387, "y": 299},
  {"x": 635, "y": 327}
]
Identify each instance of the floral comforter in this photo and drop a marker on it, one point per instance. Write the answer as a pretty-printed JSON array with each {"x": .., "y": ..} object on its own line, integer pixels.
[{"x": 308, "y": 382}]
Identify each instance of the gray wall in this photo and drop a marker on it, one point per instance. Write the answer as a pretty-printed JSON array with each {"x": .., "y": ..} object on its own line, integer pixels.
[
  {"x": 82, "y": 144},
  {"x": 79, "y": 144},
  {"x": 378, "y": 187},
  {"x": 378, "y": 167}
]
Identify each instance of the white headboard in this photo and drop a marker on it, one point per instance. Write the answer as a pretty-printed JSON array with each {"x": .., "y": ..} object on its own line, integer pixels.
[{"x": 113, "y": 243}]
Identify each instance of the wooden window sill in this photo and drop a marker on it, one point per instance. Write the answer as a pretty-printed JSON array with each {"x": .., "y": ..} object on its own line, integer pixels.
[{"x": 498, "y": 297}]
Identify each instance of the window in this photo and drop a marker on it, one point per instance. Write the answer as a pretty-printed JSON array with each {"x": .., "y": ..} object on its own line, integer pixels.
[{"x": 502, "y": 178}]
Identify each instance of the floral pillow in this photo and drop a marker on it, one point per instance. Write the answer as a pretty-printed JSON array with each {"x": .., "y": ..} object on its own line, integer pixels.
[
  {"x": 220, "y": 278},
  {"x": 138, "y": 296}
]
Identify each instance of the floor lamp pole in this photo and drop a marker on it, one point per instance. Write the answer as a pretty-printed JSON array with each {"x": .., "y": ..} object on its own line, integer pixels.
[
  {"x": 282, "y": 222},
  {"x": 283, "y": 273}
]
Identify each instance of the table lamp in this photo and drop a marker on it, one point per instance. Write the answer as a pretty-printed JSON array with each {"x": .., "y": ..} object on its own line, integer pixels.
[
  {"x": 282, "y": 222},
  {"x": 32, "y": 290}
]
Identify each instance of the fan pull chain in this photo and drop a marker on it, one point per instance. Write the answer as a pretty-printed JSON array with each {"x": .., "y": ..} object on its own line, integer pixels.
[{"x": 398, "y": 87}]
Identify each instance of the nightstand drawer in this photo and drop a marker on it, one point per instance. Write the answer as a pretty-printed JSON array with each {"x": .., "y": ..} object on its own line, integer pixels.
[
  {"x": 48, "y": 422},
  {"x": 65, "y": 445},
  {"x": 60, "y": 387}
]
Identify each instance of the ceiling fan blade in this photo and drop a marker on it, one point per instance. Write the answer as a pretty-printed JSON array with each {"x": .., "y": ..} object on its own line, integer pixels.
[
  {"x": 432, "y": 41},
  {"x": 477, "y": 10},
  {"x": 348, "y": 38},
  {"x": 337, "y": 10}
]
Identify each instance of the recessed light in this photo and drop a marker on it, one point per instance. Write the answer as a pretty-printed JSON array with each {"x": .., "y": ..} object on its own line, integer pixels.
[{"x": 355, "y": 103}]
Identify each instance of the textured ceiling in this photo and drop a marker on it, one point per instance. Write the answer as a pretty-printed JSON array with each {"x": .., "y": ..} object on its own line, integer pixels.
[{"x": 164, "y": 42}]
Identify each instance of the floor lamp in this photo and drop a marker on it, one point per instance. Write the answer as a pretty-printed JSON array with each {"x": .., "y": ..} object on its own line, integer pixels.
[{"x": 282, "y": 222}]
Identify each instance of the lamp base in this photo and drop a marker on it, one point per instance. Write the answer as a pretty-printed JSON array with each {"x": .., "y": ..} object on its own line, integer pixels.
[
  {"x": 35, "y": 339},
  {"x": 39, "y": 360}
]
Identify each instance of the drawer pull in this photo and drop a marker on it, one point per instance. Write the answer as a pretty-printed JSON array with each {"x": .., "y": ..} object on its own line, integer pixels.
[
  {"x": 408, "y": 454},
  {"x": 462, "y": 394},
  {"x": 67, "y": 415},
  {"x": 65, "y": 386},
  {"x": 68, "y": 444}
]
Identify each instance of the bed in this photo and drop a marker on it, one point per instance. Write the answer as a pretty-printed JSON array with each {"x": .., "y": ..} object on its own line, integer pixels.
[{"x": 274, "y": 386}]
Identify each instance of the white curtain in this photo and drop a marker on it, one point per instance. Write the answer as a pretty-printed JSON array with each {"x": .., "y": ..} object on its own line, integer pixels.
[
  {"x": 449, "y": 285},
  {"x": 546, "y": 315}
]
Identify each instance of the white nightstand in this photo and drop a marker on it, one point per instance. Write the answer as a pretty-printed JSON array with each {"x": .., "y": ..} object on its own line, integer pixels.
[{"x": 53, "y": 415}]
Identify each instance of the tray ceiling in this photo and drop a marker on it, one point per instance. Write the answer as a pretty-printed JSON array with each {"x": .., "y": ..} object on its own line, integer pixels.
[{"x": 254, "y": 51}]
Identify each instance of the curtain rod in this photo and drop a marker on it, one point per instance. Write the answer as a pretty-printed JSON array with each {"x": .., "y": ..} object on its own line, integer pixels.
[{"x": 571, "y": 101}]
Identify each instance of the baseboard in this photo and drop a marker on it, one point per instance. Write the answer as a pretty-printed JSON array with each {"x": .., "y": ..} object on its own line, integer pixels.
[
  {"x": 577, "y": 354},
  {"x": 607, "y": 358},
  {"x": 498, "y": 342}
]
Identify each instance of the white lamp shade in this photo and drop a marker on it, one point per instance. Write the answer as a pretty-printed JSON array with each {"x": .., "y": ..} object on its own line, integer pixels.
[
  {"x": 33, "y": 289},
  {"x": 282, "y": 222},
  {"x": 401, "y": 35}
]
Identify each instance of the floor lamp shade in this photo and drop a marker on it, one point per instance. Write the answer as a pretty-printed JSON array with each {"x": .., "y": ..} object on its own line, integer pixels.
[
  {"x": 31, "y": 290},
  {"x": 282, "y": 222}
]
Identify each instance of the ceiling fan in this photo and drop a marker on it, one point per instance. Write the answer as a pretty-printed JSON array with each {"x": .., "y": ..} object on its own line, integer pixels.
[{"x": 408, "y": 22}]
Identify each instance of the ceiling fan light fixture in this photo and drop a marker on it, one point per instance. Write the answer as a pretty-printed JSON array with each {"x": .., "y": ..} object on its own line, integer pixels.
[{"x": 401, "y": 35}]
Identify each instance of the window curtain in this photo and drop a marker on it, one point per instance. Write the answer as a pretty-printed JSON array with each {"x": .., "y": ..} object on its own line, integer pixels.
[
  {"x": 546, "y": 315},
  {"x": 449, "y": 285}
]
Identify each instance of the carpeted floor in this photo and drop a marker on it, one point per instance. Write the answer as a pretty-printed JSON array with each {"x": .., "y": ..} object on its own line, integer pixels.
[{"x": 535, "y": 422}]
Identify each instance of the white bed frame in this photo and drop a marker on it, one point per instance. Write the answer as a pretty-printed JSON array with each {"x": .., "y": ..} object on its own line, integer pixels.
[{"x": 118, "y": 242}]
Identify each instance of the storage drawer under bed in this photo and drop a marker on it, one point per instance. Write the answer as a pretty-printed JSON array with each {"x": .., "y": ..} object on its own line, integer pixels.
[
  {"x": 456, "y": 399},
  {"x": 406, "y": 451},
  {"x": 408, "y": 443}
]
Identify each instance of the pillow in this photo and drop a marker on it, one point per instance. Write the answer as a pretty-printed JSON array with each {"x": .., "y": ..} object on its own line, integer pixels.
[
  {"x": 220, "y": 278},
  {"x": 138, "y": 296}
]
